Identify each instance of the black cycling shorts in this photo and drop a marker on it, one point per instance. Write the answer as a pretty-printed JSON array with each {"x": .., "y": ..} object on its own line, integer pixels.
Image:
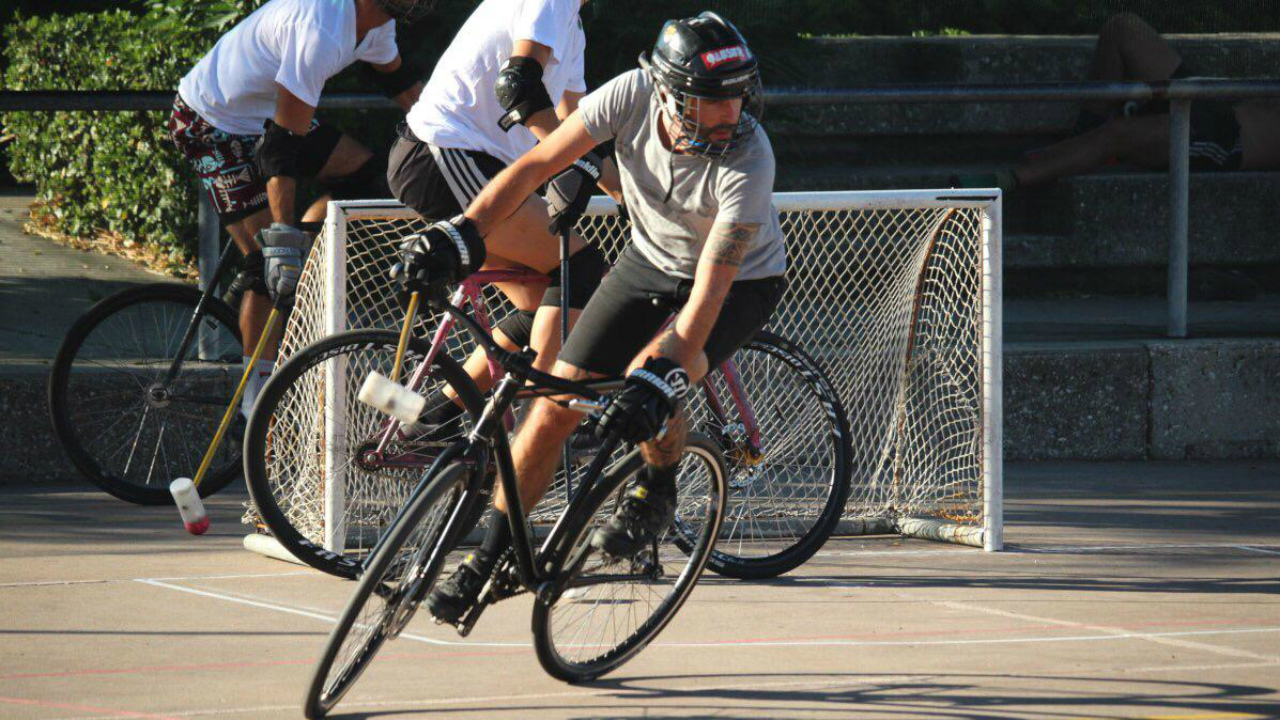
[{"x": 636, "y": 298}]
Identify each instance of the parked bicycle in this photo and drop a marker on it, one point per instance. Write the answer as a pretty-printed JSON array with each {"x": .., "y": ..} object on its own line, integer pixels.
[{"x": 139, "y": 386}]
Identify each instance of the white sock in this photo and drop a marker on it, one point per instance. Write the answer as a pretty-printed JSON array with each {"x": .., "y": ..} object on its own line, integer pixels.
[{"x": 257, "y": 379}]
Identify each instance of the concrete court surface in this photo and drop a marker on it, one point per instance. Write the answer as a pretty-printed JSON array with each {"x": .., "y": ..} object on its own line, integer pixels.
[{"x": 1143, "y": 590}]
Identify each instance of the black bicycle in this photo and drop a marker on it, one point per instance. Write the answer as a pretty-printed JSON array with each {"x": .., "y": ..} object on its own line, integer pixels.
[
  {"x": 140, "y": 384},
  {"x": 592, "y": 612}
]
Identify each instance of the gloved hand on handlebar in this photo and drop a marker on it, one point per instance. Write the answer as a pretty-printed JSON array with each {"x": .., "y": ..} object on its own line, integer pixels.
[
  {"x": 446, "y": 253},
  {"x": 651, "y": 396}
]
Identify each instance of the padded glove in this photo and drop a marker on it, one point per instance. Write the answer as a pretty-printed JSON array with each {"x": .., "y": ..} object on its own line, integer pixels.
[
  {"x": 446, "y": 253},
  {"x": 284, "y": 249},
  {"x": 651, "y": 396}
]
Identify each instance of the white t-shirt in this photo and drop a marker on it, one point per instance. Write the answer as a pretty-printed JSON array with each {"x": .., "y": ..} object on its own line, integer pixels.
[
  {"x": 458, "y": 109},
  {"x": 297, "y": 43}
]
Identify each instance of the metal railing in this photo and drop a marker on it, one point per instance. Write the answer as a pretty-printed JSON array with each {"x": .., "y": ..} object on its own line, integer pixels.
[{"x": 1179, "y": 93}]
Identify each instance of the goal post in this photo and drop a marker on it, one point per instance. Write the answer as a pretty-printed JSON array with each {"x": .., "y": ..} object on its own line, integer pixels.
[{"x": 897, "y": 294}]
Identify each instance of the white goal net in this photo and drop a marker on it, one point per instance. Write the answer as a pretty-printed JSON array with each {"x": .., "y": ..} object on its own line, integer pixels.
[{"x": 895, "y": 293}]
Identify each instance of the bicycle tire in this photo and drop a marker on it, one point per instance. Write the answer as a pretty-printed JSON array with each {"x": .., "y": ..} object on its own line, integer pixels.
[
  {"x": 779, "y": 516},
  {"x": 284, "y": 478},
  {"x": 699, "y": 514},
  {"x": 402, "y": 556},
  {"x": 93, "y": 355}
]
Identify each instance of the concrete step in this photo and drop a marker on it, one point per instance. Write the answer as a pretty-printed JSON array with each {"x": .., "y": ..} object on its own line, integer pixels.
[
  {"x": 1108, "y": 219},
  {"x": 848, "y": 62},
  {"x": 813, "y": 149}
]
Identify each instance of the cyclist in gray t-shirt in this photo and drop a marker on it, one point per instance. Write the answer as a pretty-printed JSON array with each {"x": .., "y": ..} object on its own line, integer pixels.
[{"x": 697, "y": 176}]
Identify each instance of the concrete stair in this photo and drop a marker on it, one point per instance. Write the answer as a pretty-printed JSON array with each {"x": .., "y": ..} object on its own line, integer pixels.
[{"x": 849, "y": 62}]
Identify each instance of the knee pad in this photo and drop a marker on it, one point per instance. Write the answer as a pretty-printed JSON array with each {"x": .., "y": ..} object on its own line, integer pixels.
[
  {"x": 518, "y": 326},
  {"x": 253, "y": 273},
  {"x": 586, "y": 268},
  {"x": 368, "y": 182}
]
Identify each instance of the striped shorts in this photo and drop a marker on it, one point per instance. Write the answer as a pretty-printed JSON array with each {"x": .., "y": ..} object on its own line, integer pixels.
[{"x": 436, "y": 182}]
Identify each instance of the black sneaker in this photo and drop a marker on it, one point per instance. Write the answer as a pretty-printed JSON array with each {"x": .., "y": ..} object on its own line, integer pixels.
[
  {"x": 453, "y": 597},
  {"x": 640, "y": 516}
]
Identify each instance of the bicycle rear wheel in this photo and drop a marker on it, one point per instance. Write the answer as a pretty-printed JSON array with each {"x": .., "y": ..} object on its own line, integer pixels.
[
  {"x": 402, "y": 570},
  {"x": 311, "y": 449},
  {"x": 124, "y": 426},
  {"x": 605, "y": 610},
  {"x": 784, "y": 502}
]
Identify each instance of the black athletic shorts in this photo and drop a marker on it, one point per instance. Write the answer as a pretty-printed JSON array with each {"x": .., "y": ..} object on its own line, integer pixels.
[
  {"x": 636, "y": 298},
  {"x": 437, "y": 183}
]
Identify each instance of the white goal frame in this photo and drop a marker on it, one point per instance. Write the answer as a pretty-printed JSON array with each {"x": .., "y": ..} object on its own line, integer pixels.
[{"x": 986, "y": 203}]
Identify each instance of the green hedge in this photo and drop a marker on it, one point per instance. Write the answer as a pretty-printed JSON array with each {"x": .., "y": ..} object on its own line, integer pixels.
[{"x": 113, "y": 171}]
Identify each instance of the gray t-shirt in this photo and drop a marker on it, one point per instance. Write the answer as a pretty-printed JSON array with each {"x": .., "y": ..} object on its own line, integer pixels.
[{"x": 675, "y": 199}]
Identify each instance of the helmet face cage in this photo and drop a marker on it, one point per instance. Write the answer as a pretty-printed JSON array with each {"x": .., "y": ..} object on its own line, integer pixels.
[
  {"x": 701, "y": 60},
  {"x": 684, "y": 110},
  {"x": 407, "y": 11}
]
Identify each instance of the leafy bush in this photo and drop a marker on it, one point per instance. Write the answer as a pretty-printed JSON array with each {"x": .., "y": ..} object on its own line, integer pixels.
[{"x": 102, "y": 171}]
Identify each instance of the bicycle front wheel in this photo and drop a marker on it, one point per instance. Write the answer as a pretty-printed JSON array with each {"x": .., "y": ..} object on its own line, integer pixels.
[
  {"x": 327, "y": 473},
  {"x": 402, "y": 570},
  {"x": 605, "y": 610},
  {"x": 128, "y": 426},
  {"x": 789, "y": 487}
]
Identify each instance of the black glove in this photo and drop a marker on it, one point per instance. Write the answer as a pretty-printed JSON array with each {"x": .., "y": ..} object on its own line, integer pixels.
[
  {"x": 569, "y": 192},
  {"x": 284, "y": 248},
  {"x": 446, "y": 253},
  {"x": 651, "y": 396}
]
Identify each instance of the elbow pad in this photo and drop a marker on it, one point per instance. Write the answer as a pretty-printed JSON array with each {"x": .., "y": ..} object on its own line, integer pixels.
[
  {"x": 277, "y": 152},
  {"x": 395, "y": 82},
  {"x": 520, "y": 91}
]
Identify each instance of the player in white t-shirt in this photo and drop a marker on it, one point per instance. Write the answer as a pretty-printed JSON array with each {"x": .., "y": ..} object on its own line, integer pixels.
[
  {"x": 511, "y": 74},
  {"x": 245, "y": 118},
  {"x": 697, "y": 175}
]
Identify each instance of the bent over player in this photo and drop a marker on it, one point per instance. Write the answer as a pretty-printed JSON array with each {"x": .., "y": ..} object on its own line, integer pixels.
[
  {"x": 244, "y": 117},
  {"x": 513, "y": 71},
  {"x": 697, "y": 175}
]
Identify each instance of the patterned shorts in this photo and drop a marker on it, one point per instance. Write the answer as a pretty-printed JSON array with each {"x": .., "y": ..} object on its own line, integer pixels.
[{"x": 224, "y": 162}]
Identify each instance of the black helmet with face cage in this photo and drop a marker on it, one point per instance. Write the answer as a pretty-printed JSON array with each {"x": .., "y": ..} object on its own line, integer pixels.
[{"x": 705, "y": 58}]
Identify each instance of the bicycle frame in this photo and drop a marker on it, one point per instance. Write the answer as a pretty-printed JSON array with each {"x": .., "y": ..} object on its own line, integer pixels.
[
  {"x": 470, "y": 294},
  {"x": 533, "y": 570}
]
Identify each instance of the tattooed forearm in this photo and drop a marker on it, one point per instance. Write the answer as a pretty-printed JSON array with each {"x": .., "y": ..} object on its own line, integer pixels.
[{"x": 729, "y": 242}]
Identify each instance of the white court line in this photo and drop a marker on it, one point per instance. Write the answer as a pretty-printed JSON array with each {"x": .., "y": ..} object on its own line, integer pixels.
[
  {"x": 284, "y": 609},
  {"x": 1258, "y": 550},
  {"x": 1108, "y": 634},
  {"x": 1168, "y": 638},
  {"x": 235, "y": 577},
  {"x": 53, "y": 582}
]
